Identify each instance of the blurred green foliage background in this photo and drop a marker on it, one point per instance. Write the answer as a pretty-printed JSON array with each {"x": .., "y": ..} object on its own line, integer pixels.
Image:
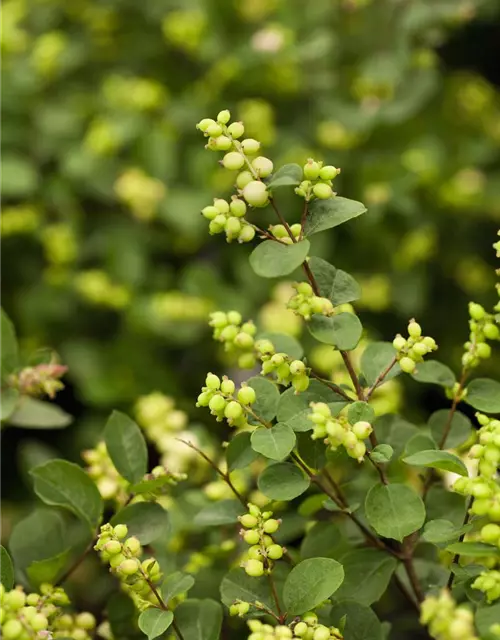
[{"x": 105, "y": 256}]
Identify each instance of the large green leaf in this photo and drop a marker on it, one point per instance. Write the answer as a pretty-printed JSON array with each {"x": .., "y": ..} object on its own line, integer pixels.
[
  {"x": 199, "y": 619},
  {"x": 274, "y": 443},
  {"x": 289, "y": 175},
  {"x": 273, "y": 259},
  {"x": 6, "y": 569},
  {"x": 375, "y": 359},
  {"x": 175, "y": 584},
  {"x": 484, "y": 395},
  {"x": 336, "y": 285},
  {"x": 367, "y": 575},
  {"x": 312, "y": 452},
  {"x": 9, "y": 352},
  {"x": 268, "y": 395},
  {"x": 310, "y": 583},
  {"x": 154, "y": 622},
  {"x": 293, "y": 409},
  {"x": 219, "y": 513},
  {"x": 460, "y": 427},
  {"x": 419, "y": 442},
  {"x": 436, "y": 459},
  {"x": 31, "y": 413},
  {"x": 394, "y": 510},
  {"x": 148, "y": 521},
  {"x": 361, "y": 623},
  {"x": 282, "y": 481},
  {"x": 342, "y": 331},
  {"x": 64, "y": 484},
  {"x": 443, "y": 504},
  {"x": 239, "y": 453},
  {"x": 434, "y": 372},
  {"x": 47, "y": 570},
  {"x": 126, "y": 447},
  {"x": 441, "y": 531},
  {"x": 325, "y": 214}
]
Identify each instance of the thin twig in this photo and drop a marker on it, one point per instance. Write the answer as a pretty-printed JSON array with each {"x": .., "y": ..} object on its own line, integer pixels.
[
  {"x": 355, "y": 380},
  {"x": 162, "y": 604},
  {"x": 412, "y": 576},
  {"x": 303, "y": 219},
  {"x": 380, "y": 470},
  {"x": 275, "y": 597},
  {"x": 331, "y": 385},
  {"x": 380, "y": 378}
]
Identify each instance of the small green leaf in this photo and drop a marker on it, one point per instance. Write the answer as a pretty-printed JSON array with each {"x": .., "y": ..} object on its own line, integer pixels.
[
  {"x": 484, "y": 395},
  {"x": 294, "y": 409},
  {"x": 289, "y": 175},
  {"x": 326, "y": 214},
  {"x": 360, "y": 411},
  {"x": 148, "y": 521},
  {"x": 175, "y": 584},
  {"x": 273, "y": 259},
  {"x": 199, "y": 619},
  {"x": 441, "y": 531},
  {"x": 6, "y": 569},
  {"x": 32, "y": 413},
  {"x": 473, "y": 549},
  {"x": 485, "y": 618},
  {"x": 375, "y": 359},
  {"x": 64, "y": 484},
  {"x": 239, "y": 452},
  {"x": 219, "y": 513},
  {"x": 283, "y": 343},
  {"x": 360, "y": 622},
  {"x": 460, "y": 428},
  {"x": 336, "y": 285},
  {"x": 153, "y": 622},
  {"x": 274, "y": 443},
  {"x": 343, "y": 331},
  {"x": 268, "y": 396},
  {"x": 126, "y": 447},
  {"x": 367, "y": 575},
  {"x": 9, "y": 354},
  {"x": 394, "y": 510},
  {"x": 282, "y": 481},
  {"x": 434, "y": 372},
  {"x": 382, "y": 453},
  {"x": 310, "y": 583},
  {"x": 436, "y": 459}
]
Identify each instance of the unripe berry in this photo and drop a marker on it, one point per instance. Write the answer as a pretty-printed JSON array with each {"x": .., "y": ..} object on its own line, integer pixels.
[
  {"x": 233, "y": 410},
  {"x": 414, "y": 329},
  {"x": 264, "y": 166},
  {"x": 322, "y": 191},
  {"x": 217, "y": 404},
  {"x": 236, "y": 129},
  {"x": 214, "y": 130},
  {"x": 255, "y": 193},
  {"x": 115, "y": 561},
  {"x": 237, "y": 207},
  {"x": 129, "y": 566},
  {"x": 234, "y": 317},
  {"x": 271, "y": 526},
  {"x": 243, "y": 179},
  {"x": 491, "y": 331},
  {"x": 362, "y": 429},
  {"x": 224, "y": 116},
  {"x": 247, "y": 234},
  {"x": 244, "y": 340},
  {"x": 296, "y": 367},
  {"x": 223, "y": 143},
  {"x": 296, "y": 229},
  {"x": 204, "y": 124},
  {"x": 429, "y": 342},
  {"x": 476, "y": 311},
  {"x": 210, "y": 212},
  {"x": 483, "y": 350},
  {"x": 251, "y": 536},
  {"x": 279, "y": 231},
  {"x": 321, "y": 633},
  {"x": 248, "y": 520},
  {"x": 254, "y": 568},
  {"x": 233, "y": 161},
  {"x": 217, "y": 225},
  {"x": 275, "y": 552},
  {"x": 301, "y": 383},
  {"x": 247, "y": 395},
  {"x": 39, "y": 622},
  {"x": 490, "y": 533},
  {"x": 112, "y": 547},
  {"x": 358, "y": 451},
  {"x": 399, "y": 342},
  {"x": 234, "y": 609},
  {"x": 233, "y": 227},
  {"x": 300, "y": 629},
  {"x": 310, "y": 618},
  {"x": 133, "y": 545},
  {"x": 12, "y": 629},
  {"x": 227, "y": 386},
  {"x": 243, "y": 608},
  {"x": 250, "y": 146},
  {"x": 85, "y": 620},
  {"x": 15, "y": 599},
  {"x": 407, "y": 364},
  {"x": 328, "y": 172},
  {"x": 420, "y": 349},
  {"x": 311, "y": 169},
  {"x": 212, "y": 381},
  {"x": 32, "y": 599},
  {"x": 254, "y": 552}
]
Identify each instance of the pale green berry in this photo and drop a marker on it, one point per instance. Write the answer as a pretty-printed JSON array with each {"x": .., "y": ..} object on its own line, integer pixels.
[
  {"x": 221, "y": 205},
  {"x": 300, "y": 383},
  {"x": 254, "y": 553},
  {"x": 236, "y": 129},
  {"x": 305, "y": 289},
  {"x": 255, "y": 193},
  {"x": 429, "y": 342},
  {"x": 483, "y": 350},
  {"x": 204, "y": 124},
  {"x": 223, "y": 143},
  {"x": 227, "y": 386},
  {"x": 224, "y": 116},
  {"x": 115, "y": 561},
  {"x": 217, "y": 225},
  {"x": 112, "y": 547},
  {"x": 233, "y": 227},
  {"x": 407, "y": 364},
  {"x": 129, "y": 566},
  {"x": 248, "y": 520},
  {"x": 217, "y": 404},
  {"x": 476, "y": 311},
  {"x": 243, "y": 179},
  {"x": 133, "y": 545},
  {"x": 214, "y": 130},
  {"x": 249, "y": 328},
  {"x": 494, "y": 512},
  {"x": 263, "y": 166},
  {"x": 233, "y": 410},
  {"x": 15, "y": 599},
  {"x": 234, "y": 610},
  {"x": 399, "y": 342},
  {"x": 39, "y": 622},
  {"x": 250, "y": 146},
  {"x": 310, "y": 618},
  {"x": 32, "y": 599},
  {"x": 244, "y": 340},
  {"x": 271, "y": 526},
  {"x": 322, "y": 191},
  {"x": 414, "y": 329},
  {"x": 300, "y": 629},
  {"x": 357, "y": 451},
  {"x": 328, "y": 172},
  {"x": 296, "y": 367},
  {"x": 321, "y": 633},
  {"x": 253, "y": 509},
  {"x": 491, "y": 331},
  {"x": 254, "y": 568},
  {"x": 296, "y": 229},
  {"x": 210, "y": 212},
  {"x": 490, "y": 533},
  {"x": 237, "y": 207},
  {"x": 279, "y": 231},
  {"x": 234, "y": 317},
  {"x": 311, "y": 169},
  {"x": 362, "y": 429},
  {"x": 243, "y": 607},
  {"x": 420, "y": 349},
  {"x": 85, "y": 620},
  {"x": 275, "y": 552},
  {"x": 212, "y": 381},
  {"x": 12, "y": 629},
  {"x": 247, "y": 234},
  {"x": 247, "y": 395},
  {"x": 251, "y": 537},
  {"x": 233, "y": 161},
  {"x": 229, "y": 333}
]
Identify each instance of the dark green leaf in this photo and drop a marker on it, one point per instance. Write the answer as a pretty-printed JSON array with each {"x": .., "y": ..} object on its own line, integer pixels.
[
  {"x": 47, "y": 570},
  {"x": 237, "y": 585},
  {"x": 436, "y": 459},
  {"x": 149, "y": 486},
  {"x": 367, "y": 575},
  {"x": 460, "y": 428},
  {"x": 153, "y": 622},
  {"x": 199, "y": 619},
  {"x": 282, "y": 481},
  {"x": 394, "y": 430},
  {"x": 473, "y": 549},
  {"x": 9, "y": 355},
  {"x": 440, "y": 531},
  {"x": 323, "y": 539},
  {"x": 446, "y": 505},
  {"x": 310, "y": 583},
  {"x": 312, "y": 452},
  {"x": 274, "y": 443},
  {"x": 394, "y": 510},
  {"x": 175, "y": 584},
  {"x": 382, "y": 453},
  {"x": 434, "y": 372},
  {"x": 122, "y": 615},
  {"x": 484, "y": 395},
  {"x": 273, "y": 259},
  {"x": 360, "y": 411},
  {"x": 32, "y": 413},
  {"x": 64, "y": 484},
  {"x": 485, "y": 618},
  {"x": 326, "y": 214},
  {"x": 239, "y": 453},
  {"x": 360, "y": 621},
  {"x": 294, "y": 409},
  {"x": 419, "y": 442},
  {"x": 268, "y": 396},
  {"x": 6, "y": 569},
  {"x": 283, "y": 343},
  {"x": 148, "y": 521},
  {"x": 219, "y": 513},
  {"x": 342, "y": 331},
  {"x": 336, "y": 285},
  {"x": 376, "y": 359},
  {"x": 126, "y": 447},
  {"x": 289, "y": 175}
]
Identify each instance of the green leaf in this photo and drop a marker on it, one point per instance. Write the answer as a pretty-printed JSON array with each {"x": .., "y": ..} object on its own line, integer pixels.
[
  {"x": 9, "y": 398},
  {"x": 149, "y": 486},
  {"x": 473, "y": 549},
  {"x": 336, "y": 285},
  {"x": 485, "y": 618},
  {"x": 274, "y": 443},
  {"x": 175, "y": 584},
  {"x": 239, "y": 453},
  {"x": 394, "y": 510},
  {"x": 436, "y": 459},
  {"x": 484, "y": 395},
  {"x": 32, "y": 413},
  {"x": 367, "y": 575},
  {"x": 322, "y": 539},
  {"x": 219, "y": 513},
  {"x": 47, "y": 570},
  {"x": 446, "y": 505},
  {"x": 122, "y": 614},
  {"x": 282, "y": 481},
  {"x": 64, "y": 484},
  {"x": 394, "y": 430},
  {"x": 419, "y": 442},
  {"x": 153, "y": 622},
  {"x": 237, "y": 585},
  {"x": 273, "y": 259},
  {"x": 361, "y": 623},
  {"x": 434, "y": 372},
  {"x": 294, "y": 409},
  {"x": 326, "y": 214},
  {"x": 283, "y": 343},
  {"x": 9, "y": 353},
  {"x": 375, "y": 359},
  {"x": 126, "y": 447},
  {"x": 343, "y": 331},
  {"x": 312, "y": 452},
  {"x": 148, "y": 521},
  {"x": 289, "y": 175},
  {"x": 310, "y": 583},
  {"x": 268, "y": 396},
  {"x": 360, "y": 411},
  {"x": 199, "y": 619},
  {"x": 6, "y": 569},
  {"x": 460, "y": 428},
  {"x": 440, "y": 531},
  {"x": 382, "y": 453}
]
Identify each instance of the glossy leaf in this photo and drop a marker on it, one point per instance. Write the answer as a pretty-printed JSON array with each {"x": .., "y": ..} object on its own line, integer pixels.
[
  {"x": 126, "y": 447},
  {"x": 326, "y": 214},
  {"x": 273, "y": 259},
  {"x": 311, "y": 582},
  {"x": 394, "y": 510},
  {"x": 436, "y": 459}
]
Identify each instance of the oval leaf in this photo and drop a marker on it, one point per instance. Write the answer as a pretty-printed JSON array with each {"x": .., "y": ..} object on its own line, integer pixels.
[
  {"x": 357, "y": 621},
  {"x": 283, "y": 343},
  {"x": 360, "y": 411},
  {"x": 273, "y": 259},
  {"x": 239, "y": 452},
  {"x": 336, "y": 285},
  {"x": 382, "y": 453},
  {"x": 282, "y": 481},
  {"x": 31, "y": 413},
  {"x": 440, "y": 531},
  {"x": 367, "y": 575},
  {"x": 436, "y": 459},
  {"x": 394, "y": 510},
  {"x": 459, "y": 429},
  {"x": 145, "y": 520},
  {"x": 343, "y": 331},
  {"x": 473, "y": 549},
  {"x": 199, "y": 619},
  {"x": 376, "y": 359},
  {"x": 268, "y": 395},
  {"x": 434, "y": 372},
  {"x": 126, "y": 447},
  {"x": 153, "y": 622},
  {"x": 237, "y": 585},
  {"x": 289, "y": 175},
  {"x": 175, "y": 584},
  {"x": 326, "y": 214},
  {"x": 274, "y": 443},
  {"x": 310, "y": 583},
  {"x": 484, "y": 395}
]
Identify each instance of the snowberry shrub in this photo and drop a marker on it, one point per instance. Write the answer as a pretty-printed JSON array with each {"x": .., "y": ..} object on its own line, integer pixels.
[{"x": 319, "y": 519}]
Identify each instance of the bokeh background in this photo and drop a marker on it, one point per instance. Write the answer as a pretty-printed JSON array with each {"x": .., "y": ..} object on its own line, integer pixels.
[{"x": 105, "y": 256}]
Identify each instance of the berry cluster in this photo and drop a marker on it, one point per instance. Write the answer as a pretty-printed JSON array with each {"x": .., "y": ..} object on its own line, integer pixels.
[
  {"x": 236, "y": 335},
  {"x": 305, "y": 303},
  {"x": 103, "y": 472},
  {"x": 318, "y": 181},
  {"x": 258, "y": 529},
  {"x": 410, "y": 351},
  {"x": 218, "y": 396},
  {"x": 482, "y": 327},
  {"x": 280, "y": 232},
  {"x": 308, "y": 628},
  {"x": 228, "y": 217},
  {"x": 122, "y": 554},
  {"x": 489, "y": 583},
  {"x": 96, "y": 287},
  {"x": 287, "y": 371},
  {"x": 446, "y": 620}
]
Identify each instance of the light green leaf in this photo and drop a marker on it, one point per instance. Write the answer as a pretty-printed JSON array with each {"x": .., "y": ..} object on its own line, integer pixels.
[
  {"x": 484, "y": 395},
  {"x": 239, "y": 453},
  {"x": 358, "y": 621},
  {"x": 485, "y": 618},
  {"x": 47, "y": 570},
  {"x": 268, "y": 396},
  {"x": 310, "y": 583},
  {"x": 326, "y": 214},
  {"x": 282, "y": 481},
  {"x": 274, "y": 443},
  {"x": 473, "y": 549},
  {"x": 64, "y": 484},
  {"x": 343, "y": 331},
  {"x": 126, "y": 447},
  {"x": 460, "y": 428},
  {"x": 367, "y": 575},
  {"x": 336, "y": 285},
  {"x": 294, "y": 409},
  {"x": 32, "y": 413},
  {"x": 273, "y": 259},
  {"x": 219, "y": 513},
  {"x": 360, "y": 411},
  {"x": 289, "y": 175},
  {"x": 375, "y": 359},
  {"x": 322, "y": 539},
  {"x": 382, "y": 453},
  {"x": 434, "y": 372},
  {"x": 175, "y": 584},
  {"x": 153, "y": 622},
  {"x": 436, "y": 459},
  {"x": 148, "y": 521},
  {"x": 283, "y": 343},
  {"x": 441, "y": 531},
  {"x": 9, "y": 398},
  {"x": 394, "y": 510},
  {"x": 199, "y": 619},
  {"x": 6, "y": 569},
  {"x": 9, "y": 353}
]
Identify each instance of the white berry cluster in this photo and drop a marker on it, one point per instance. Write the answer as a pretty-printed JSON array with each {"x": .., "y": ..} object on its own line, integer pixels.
[
  {"x": 258, "y": 529},
  {"x": 318, "y": 181},
  {"x": 305, "y": 303},
  {"x": 103, "y": 472},
  {"x": 482, "y": 327},
  {"x": 229, "y": 218},
  {"x": 446, "y": 620},
  {"x": 218, "y": 396},
  {"x": 489, "y": 583},
  {"x": 411, "y": 351},
  {"x": 337, "y": 431},
  {"x": 236, "y": 335}
]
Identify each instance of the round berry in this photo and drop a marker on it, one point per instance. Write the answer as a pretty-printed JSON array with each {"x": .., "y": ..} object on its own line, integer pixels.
[
  {"x": 311, "y": 169},
  {"x": 233, "y": 227},
  {"x": 271, "y": 525},
  {"x": 214, "y": 130},
  {"x": 430, "y": 343},
  {"x": 15, "y": 599},
  {"x": 251, "y": 536},
  {"x": 264, "y": 166},
  {"x": 133, "y": 545},
  {"x": 85, "y": 620},
  {"x": 221, "y": 205},
  {"x": 12, "y": 629},
  {"x": 476, "y": 311},
  {"x": 322, "y": 191},
  {"x": 254, "y": 568},
  {"x": 491, "y": 331},
  {"x": 233, "y": 410},
  {"x": 328, "y": 172},
  {"x": 301, "y": 383},
  {"x": 420, "y": 349},
  {"x": 255, "y": 193},
  {"x": 300, "y": 629},
  {"x": 217, "y": 225},
  {"x": 115, "y": 561},
  {"x": 212, "y": 381},
  {"x": 247, "y": 234},
  {"x": 234, "y": 317},
  {"x": 305, "y": 289},
  {"x": 223, "y": 117},
  {"x": 279, "y": 231},
  {"x": 227, "y": 386},
  {"x": 248, "y": 520},
  {"x": 296, "y": 229},
  {"x": 321, "y": 633},
  {"x": 236, "y": 129},
  {"x": 129, "y": 566},
  {"x": 39, "y": 622},
  {"x": 407, "y": 364},
  {"x": 483, "y": 350},
  {"x": 243, "y": 179},
  {"x": 112, "y": 547},
  {"x": 250, "y": 146},
  {"x": 414, "y": 329},
  {"x": 275, "y": 552},
  {"x": 362, "y": 429},
  {"x": 217, "y": 404},
  {"x": 237, "y": 207},
  {"x": 246, "y": 395},
  {"x": 204, "y": 124},
  {"x": 490, "y": 533},
  {"x": 210, "y": 212},
  {"x": 223, "y": 143},
  {"x": 243, "y": 608},
  {"x": 233, "y": 161},
  {"x": 244, "y": 340},
  {"x": 399, "y": 342}
]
